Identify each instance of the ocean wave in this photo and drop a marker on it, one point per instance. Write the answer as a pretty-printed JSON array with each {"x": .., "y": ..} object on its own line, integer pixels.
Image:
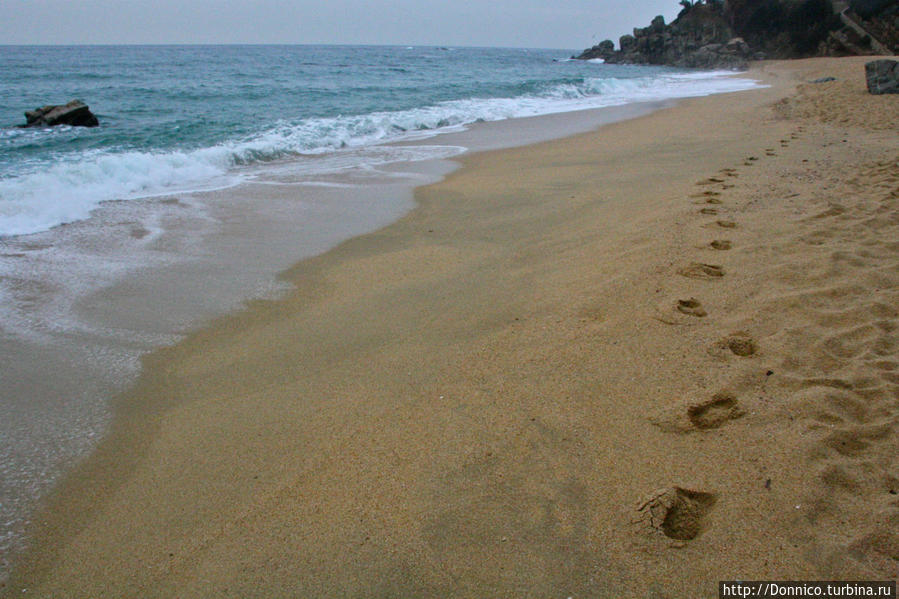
[
  {"x": 39, "y": 197},
  {"x": 68, "y": 191}
]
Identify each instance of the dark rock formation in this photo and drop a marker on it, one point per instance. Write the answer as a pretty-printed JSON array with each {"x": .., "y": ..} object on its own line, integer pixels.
[
  {"x": 700, "y": 37},
  {"x": 801, "y": 28},
  {"x": 882, "y": 76},
  {"x": 869, "y": 8},
  {"x": 783, "y": 28},
  {"x": 604, "y": 49},
  {"x": 76, "y": 113},
  {"x": 879, "y": 21},
  {"x": 727, "y": 33}
]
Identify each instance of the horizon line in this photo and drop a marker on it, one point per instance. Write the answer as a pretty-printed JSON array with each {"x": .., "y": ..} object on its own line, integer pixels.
[{"x": 346, "y": 45}]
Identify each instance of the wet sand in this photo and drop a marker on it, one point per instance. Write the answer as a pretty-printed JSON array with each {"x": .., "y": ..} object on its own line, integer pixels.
[{"x": 628, "y": 363}]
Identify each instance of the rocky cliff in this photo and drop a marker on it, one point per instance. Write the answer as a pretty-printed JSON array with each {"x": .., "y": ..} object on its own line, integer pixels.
[
  {"x": 700, "y": 37},
  {"x": 782, "y": 28},
  {"x": 879, "y": 21},
  {"x": 728, "y": 33}
]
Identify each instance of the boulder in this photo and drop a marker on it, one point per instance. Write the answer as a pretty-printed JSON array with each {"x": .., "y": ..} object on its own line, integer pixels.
[
  {"x": 606, "y": 47},
  {"x": 76, "y": 114},
  {"x": 711, "y": 56},
  {"x": 738, "y": 46},
  {"x": 882, "y": 76},
  {"x": 603, "y": 49}
]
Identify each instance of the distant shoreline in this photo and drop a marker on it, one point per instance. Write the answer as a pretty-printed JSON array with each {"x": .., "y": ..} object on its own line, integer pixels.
[{"x": 277, "y": 45}]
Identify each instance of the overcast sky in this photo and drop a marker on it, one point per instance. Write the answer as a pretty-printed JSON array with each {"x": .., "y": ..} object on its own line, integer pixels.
[{"x": 573, "y": 24}]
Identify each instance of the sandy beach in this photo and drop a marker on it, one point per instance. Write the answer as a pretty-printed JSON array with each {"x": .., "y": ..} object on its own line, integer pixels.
[{"x": 628, "y": 363}]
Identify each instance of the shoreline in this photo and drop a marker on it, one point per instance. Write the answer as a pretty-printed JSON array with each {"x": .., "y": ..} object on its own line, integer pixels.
[
  {"x": 117, "y": 323},
  {"x": 77, "y": 332},
  {"x": 477, "y": 397}
]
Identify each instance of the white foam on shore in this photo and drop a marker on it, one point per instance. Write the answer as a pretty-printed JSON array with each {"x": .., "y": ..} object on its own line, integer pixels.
[
  {"x": 41, "y": 197},
  {"x": 80, "y": 304}
]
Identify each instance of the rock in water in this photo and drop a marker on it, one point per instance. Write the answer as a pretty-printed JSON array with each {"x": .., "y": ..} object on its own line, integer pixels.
[
  {"x": 882, "y": 76},
  {"x": 76, "y": 114}
]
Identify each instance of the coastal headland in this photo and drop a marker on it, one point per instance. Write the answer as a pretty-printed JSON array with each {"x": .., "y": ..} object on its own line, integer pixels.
[{"x": 628, "y": 363}]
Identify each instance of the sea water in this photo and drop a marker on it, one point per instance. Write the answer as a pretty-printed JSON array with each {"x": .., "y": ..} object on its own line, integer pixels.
[{"x": 214, "y": 167}]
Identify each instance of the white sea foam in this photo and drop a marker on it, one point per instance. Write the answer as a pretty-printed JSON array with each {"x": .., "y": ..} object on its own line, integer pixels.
[
  {"x": 38, "y": 197},
  {"x": 68, "y": 191}
]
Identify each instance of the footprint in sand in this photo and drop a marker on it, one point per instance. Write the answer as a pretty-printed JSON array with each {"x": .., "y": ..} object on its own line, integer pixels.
[
  {"x": 691, "y": 307},
  {"x": 710, "y": 181},
  {"x": 708, "y": 197},
  {"x": 709, "y": 211},
  {"x": 739, "y": 344},
  {"x": 698, "y": 270},
  {"x": 721, "y": 244},
  {"x": 682, "y": 312},
  {"x": 854, "y": 440},
  {"x": 676, "y": 512},
  {"x": 880, "y": 543},
  {"x": 714, "y": 412},
  {"x": 726, "y": 224},
  {"x": 834, "y": 210},
  {"x": 695, "y": 417}
]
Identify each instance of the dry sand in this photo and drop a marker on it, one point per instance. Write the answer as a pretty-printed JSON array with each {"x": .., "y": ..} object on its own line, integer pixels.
[{"x": 629, "y": 363}]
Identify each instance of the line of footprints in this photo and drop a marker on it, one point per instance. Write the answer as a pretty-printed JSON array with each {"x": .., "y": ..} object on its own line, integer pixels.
[
  {"x": 676, "y": 512},
  {"x": 712, "y": 198}
]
